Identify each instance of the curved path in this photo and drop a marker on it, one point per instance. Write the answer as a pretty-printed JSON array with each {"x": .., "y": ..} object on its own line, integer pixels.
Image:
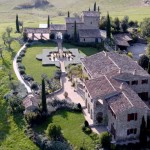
[{"x": 15, "y": 66}]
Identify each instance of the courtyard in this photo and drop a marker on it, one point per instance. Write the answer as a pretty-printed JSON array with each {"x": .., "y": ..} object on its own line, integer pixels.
[{"x": 137, "y": 50}]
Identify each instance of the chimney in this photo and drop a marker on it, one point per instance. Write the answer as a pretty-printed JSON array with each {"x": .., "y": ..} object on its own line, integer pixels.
[
  {"x": 121, "y": 86},
  {"x": 134, "y": 72},
  {"x": 120, "y": 71},
  {"x": 105, "y": 53}
]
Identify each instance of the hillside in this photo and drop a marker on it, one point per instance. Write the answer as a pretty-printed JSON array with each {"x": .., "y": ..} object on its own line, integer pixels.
[{"x": 134, "y": 8}]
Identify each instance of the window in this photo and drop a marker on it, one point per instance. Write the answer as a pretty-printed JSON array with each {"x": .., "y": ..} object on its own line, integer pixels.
[
  {"x": 128, "y": 82},
  {"x": 84, "y": 40},
  {"x": 91, "y": 22},
  {"x": 132, "y": 116},
  {"x": 145, "y": 81},
  {"x": 131, "y": 131},
  {"x": 134, "y": 82}
]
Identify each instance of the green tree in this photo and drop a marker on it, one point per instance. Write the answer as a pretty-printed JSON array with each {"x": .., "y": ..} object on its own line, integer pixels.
[
  {"x": 143, "y": 61},
  {"x": 68, "y": 14},
  {"x": 95, "y": 6},
  {"x": 54, "y": 131},
  {"x": 103, "y": 23},
  {"x": 108, "y": 27},
  {"x": 98, "y": 9},
  {"x": 117, "y": 24},
  {"x": 48, "y": 22},
  {"x": 148, "y": 50},
  {"x": 17, "y": 24},
  {"x": 145, "y": 27},
  {"x": 75, "y": 31},
  {"x": 1, "y": 51},
  {"x": 143, "y": 132},
  {"x": 105, "y": 139},
  {"x": 89, "y": 9},
  {"x": 44, "y": 104},
  {"x": 124, "y": 23}
]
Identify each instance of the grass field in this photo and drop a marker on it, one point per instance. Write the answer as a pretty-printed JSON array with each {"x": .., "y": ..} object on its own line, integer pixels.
[
  {"x": 12, "y": 135},
  {"x": 133, "y": 8},
  {"x": 71, "y": 125}
]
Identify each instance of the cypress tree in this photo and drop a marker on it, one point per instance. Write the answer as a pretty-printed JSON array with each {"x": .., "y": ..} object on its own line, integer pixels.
[
  {"x": 48, "y": 22},
  {"x": 143, "y": 133},
  {"x": 75, "y": 31},
  {"x": 98, "y": 9},
  {"x": 68, "y": 14},
  {"x": 149, "y": 67},
  {"x": 44, "y": 105},
  {"x": 17, "y": 24},
  {"x": 89, "y": 9},
  {"x": 108, "y": 28},
  {"x": 95, "y": 6}
]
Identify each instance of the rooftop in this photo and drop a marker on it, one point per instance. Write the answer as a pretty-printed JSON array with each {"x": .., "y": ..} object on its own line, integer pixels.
[
  {"x": 37, "y": 30},
  {"x": 58, "y": 27},
  {"x": 105, "y": 63},
  {"x": 90, "y": 33},
  {"x": 91, "y": 13},
  {"x": 73, "y": 19}
]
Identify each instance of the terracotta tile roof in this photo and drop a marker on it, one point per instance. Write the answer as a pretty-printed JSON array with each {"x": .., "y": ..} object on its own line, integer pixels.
[
  {"x": 37, "y": 30},
  {"x": 57, "y": 27},
  {"x": 72, "y": 20},
  {"x": 99, "y": 87},
  {"x": 108, "y": 63},
  {"x": 89, "y": 33},
  {"x": 122, "y": 39},
  {"x": 91, "y": 13},
  {"x": 126, "y": 100}
]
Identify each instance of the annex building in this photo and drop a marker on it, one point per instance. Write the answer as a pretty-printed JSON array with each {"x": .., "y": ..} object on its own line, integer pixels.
[{"x": 87, "y": 26}]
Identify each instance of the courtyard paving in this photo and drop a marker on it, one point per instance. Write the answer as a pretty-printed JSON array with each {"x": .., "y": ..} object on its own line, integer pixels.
[{"x": 137, "y": 50}]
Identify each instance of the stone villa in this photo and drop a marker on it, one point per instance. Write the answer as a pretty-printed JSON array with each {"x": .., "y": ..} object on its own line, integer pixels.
[
  {"x": 87, "y": 28},
  {"x": 115, "y": 92}
]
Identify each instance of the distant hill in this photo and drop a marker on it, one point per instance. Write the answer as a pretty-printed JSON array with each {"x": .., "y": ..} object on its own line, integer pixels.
[{"x": 135, "y": 9}]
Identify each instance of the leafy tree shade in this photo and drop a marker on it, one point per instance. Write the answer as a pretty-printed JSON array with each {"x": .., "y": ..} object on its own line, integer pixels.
[
  {"x": 54, "y": 131},
  {"x": 143, "y": 132},
  {"x": 75, "y": 31},
  {"x": 124, "y": 23},
  {"x": 148, "y": 50},
  {"x": 44, "y": 105},
  {"x": 145, "y": 27},
  {"x": 105, "y": 139},
  {"x": 95, "y": 6},
  {"x": 17, "y": 24},
  {"x": 143, "y": 61},
  {"x": 108, "y": 29},
  {"x": 103, "y": 23},
  {"x": 98, "y": 9},
  {"x": 68, "y": 14},
  {"x": 117, "y": 24},
  {"x": 48, "y": 22}
]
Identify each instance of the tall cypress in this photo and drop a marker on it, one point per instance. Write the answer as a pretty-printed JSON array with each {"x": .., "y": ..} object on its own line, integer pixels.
[
  {"x": 44, "y": 105},
  {"x": 98, "y": 9},
  {"x": 48, "y": 22},
  {"x": 89, "y": 9},
  {"x": 108, "y": 28},
  {"x": 75, "y": 31},
  {"x": 95, "y": 6},
  {"x": 149, "y": 67},
  {"x": 17, "y": 24},
  {"x": 68, "y": 14},
  {"x": 143, "y": 133}
]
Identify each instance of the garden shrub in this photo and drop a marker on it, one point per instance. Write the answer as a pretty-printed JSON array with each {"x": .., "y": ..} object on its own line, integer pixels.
[
  {"x": 33, "y": 117},
  {"x": 22, "y": 54},
  {"x": 66, "y": 94},
  {"x": 22, "y": 71},
  {"x": 86, "y": 124},
  {"x": 57, "y": 74},
  {"x": 19, "y": 59},
  {"x": 34, "y": 86},
  {"x": 21, "y": 66},
  {"x": 79, "y": 106},
  {"x": 28, "y": 77},
  {"x": 105, "y": 139},
  {"x": 52, "y": 36},
  {"x": 54, "y": 131}
]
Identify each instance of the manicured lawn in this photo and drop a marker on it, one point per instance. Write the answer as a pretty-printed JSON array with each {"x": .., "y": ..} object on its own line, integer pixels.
[
  {"x": 86, "y": 50},
  {"x": 33, "y": 66},
  {"x": 71, "y": 125}
]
